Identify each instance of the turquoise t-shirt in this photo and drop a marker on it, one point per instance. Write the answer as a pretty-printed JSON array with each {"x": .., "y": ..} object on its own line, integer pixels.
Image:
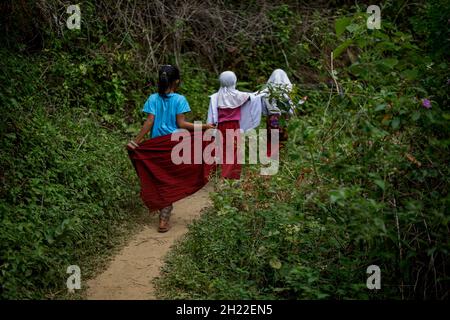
[{"x": 165, "y": 111}]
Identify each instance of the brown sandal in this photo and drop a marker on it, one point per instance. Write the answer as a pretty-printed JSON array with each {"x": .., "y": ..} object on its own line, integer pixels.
[{"x": 164, "y": 225}]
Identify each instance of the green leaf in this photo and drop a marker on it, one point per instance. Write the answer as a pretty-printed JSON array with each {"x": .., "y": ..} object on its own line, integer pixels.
[
  {"x": 275, "y": 263},
  {"x": 410, "y": 74},
  {"x": 341, "y": 24},
  {"x": 380, "y": 224},
  {"x": 395, "y": 123},
  {"x": 415, "y": 116},
  {"x": 352, "y": 28},
  {"x": 337, "y": 195},
  {"x": 334, "y": 196},
  {"x": 380, "y": 107},
  {"x": 380, "y": 183},
  {"x": 338, "y": 51},
  {"x": 389, "y": 62}
]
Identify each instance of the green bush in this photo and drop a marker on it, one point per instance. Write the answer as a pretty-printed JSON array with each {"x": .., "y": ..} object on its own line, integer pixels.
[
  {"x": 66, "y": 182},
  {"x": 364, "y": 180}
]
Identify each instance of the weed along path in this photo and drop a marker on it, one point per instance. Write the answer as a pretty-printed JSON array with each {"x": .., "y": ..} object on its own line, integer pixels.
[{"x": 130, "y": 273}]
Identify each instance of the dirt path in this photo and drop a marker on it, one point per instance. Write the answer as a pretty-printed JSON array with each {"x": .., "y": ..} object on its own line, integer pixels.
[{"x": 131, "y": 271}]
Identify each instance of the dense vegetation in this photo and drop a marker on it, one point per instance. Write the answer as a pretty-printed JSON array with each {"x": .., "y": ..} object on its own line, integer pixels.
[{"x": 364, "y": 177}]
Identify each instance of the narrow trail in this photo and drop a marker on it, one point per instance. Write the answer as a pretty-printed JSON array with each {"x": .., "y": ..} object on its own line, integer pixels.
[{"x": 130, "y": 273}]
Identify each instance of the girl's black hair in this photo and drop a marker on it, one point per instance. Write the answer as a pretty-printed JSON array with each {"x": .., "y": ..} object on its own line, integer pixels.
[{"x": 167, "y": 76}]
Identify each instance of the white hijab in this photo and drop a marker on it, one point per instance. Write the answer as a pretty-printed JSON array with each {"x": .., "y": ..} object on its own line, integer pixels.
[
  {"x": 279, "y": 78},
  {"x": 228, "y": 96}
]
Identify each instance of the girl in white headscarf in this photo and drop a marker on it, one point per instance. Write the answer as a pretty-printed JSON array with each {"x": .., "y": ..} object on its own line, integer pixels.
[
  {"x": 279, "y": 84},
  {"x": 277, "y": 103},
  {"x": 231, "y": 109}
]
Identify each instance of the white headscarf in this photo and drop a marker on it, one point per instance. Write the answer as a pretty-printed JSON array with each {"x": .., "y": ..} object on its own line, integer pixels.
[
  {"x": 279, "y": 78},
  {"x": 228, "y": 96}
]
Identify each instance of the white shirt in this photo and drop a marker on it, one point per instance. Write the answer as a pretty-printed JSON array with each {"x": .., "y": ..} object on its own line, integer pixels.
[{"x": 250, "y": 112}]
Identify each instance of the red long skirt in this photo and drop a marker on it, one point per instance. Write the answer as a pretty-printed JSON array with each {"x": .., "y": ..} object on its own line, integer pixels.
[
  {"x": 230, "y": 170},
  {"x": 162, "y": 181}
]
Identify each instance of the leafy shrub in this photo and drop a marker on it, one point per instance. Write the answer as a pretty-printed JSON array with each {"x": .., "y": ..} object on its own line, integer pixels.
[
  {"x": 364, "y": 180},
  {"x": 66, "y": 183}
]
